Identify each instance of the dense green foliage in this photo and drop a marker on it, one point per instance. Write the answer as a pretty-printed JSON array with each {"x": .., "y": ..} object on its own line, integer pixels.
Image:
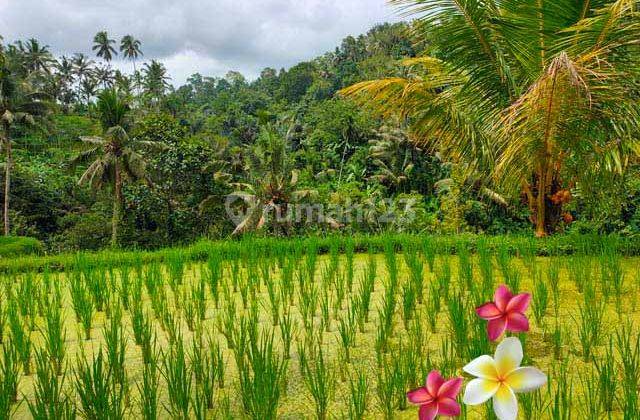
[{"x": 210, "y": 136}]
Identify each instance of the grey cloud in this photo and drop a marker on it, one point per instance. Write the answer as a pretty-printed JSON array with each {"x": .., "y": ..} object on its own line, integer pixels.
[{"x": 209, "y": 37}]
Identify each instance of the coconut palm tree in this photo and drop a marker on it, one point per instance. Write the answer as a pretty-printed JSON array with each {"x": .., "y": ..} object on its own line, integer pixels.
[
  {"x": 37, "y": 57},
  {"x": 82, "y": 65},
  {"x": 65, "y": 70},
  {"x": 83, "y": 69},
  {"x": 527, "y": 94},
  {"x": 88, "y": 88},
  {"x": 112, "y": 157},
  {"x": 103, "y": 46},
  {"x": 19, "y": 104},
  {"x": 64, "y": 79},
  {"x": 123, "y": 83},
  {"x": 392, "y": 155},
  {"x": 155, "y": 80},
  {"x": 270, "y": 189},
  {"x": 104, "y": 76},
  {"x": 130, "y": 49}
]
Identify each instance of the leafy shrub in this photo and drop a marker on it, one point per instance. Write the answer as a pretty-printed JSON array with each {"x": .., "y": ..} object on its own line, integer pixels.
[
  {"x": 12, "y": 246},
  {"x": 90, "y": 231}
]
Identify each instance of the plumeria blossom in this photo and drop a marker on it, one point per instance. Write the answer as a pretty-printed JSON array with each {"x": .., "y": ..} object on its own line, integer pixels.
[
  {"x": 500, "y": 378},
  {"x": 437, "y": 397},
  {"x": 505, "y": 313}
]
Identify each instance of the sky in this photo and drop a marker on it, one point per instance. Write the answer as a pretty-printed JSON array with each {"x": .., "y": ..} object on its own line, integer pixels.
[{"x": 209, "y": 37}]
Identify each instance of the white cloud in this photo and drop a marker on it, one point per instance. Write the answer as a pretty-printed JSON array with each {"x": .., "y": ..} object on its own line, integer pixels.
[{"x": 206, "y": 36}]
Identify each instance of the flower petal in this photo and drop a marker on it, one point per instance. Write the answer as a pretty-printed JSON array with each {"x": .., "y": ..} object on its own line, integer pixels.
[
  {"x": 526, "y": 379},
  {"x": 501, "y": 297},
  {"x": 428, "y": 411},
  {"x": 419, "y": 396},
  {"x": 496, "y": 327},
  {"x": 479, "y": 391},
  {"x": 488, "y": 311},
  {"x": 508, "y": 356},
  {"x": 450, "y": 389},
  {"x": 434, "y": 382},
  {"x": 505, "y": 404},
  {"x": 517, "y": 322},
  {"x": 482, "y": 367},
  {"x": 519, "y": 303},
  {"x": 448, "y": 407}
]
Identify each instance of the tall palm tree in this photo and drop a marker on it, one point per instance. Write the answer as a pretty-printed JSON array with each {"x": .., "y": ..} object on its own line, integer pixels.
[
  {"x": 526, "y": 93},
  {"x": 64, "y": 79},
  {"x": 114, "y": 155},
  {"x": 83, "y": 68},
  {"x": 104, "y": 46},
  {"x": 130, "y": 49},
  {"x": 82, "y": 65},
  {"x": 19, "y": 104},
  {"x": 37, "y": 57},
  {"x": 65, "y": 70}
]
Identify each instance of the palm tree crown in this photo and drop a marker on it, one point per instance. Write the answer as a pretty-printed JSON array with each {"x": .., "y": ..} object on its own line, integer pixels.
[
  {"x": 156, "y": 80},
  {"x": 130, "y": 47},
  {"x": 104, "y": 46}
]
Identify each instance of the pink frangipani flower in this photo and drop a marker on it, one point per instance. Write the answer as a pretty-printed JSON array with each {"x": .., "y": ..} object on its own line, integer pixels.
[
  {"x": 505, "y": 313},
  {"x": 437, "y": 397}
]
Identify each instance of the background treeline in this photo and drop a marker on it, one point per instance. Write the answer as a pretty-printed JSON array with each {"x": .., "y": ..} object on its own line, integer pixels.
[{"x": 286, "y": 136}]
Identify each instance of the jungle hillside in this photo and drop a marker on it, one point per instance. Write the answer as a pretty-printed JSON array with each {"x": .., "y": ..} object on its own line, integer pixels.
[{"x": 507, "y": 120}]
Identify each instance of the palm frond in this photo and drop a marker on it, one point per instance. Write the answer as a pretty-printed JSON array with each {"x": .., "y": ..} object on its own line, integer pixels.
[{"x": 85, "y": 156}]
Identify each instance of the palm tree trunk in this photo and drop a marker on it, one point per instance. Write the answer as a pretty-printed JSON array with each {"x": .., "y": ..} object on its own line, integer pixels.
[
  {"x": 541, "y": 208},
  {"x": 117, "y": 205},
  {"x": 7, "y": 179}
]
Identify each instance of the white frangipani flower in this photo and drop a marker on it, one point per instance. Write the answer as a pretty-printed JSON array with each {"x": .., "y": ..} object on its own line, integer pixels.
[{"x": 500, "y": 378}]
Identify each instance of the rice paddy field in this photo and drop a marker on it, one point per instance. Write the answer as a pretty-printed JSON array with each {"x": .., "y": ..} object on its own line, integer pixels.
[{"x": 338, "y": 328}]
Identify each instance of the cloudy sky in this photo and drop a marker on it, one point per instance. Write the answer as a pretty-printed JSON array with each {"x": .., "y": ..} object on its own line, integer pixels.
[{"x": 205, "y": 36}]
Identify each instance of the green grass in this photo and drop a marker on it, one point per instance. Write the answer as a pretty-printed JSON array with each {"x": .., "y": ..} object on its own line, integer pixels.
[
  {"x": 16, "y": 246},
  {"x": 305, "y": 329},
  {"x": 272, "y": 247}
]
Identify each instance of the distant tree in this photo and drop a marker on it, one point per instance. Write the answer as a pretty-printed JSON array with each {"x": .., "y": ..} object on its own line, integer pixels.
[
  {"x": 63, "y": 79},
  {"x": 271, "y": 186},
  {"x": 113, "y": 155},
  {"x": 19, "y": 104},
  {"x": 130, "y": 49},
  {"x": 391, "y": 154},
  {"x": 295, "y": 82},
  {"x": 122, "y": 82},
  {"x": 88, "y": 88},
  {"x": 155, "y": 80},
  {"x": 82, "y": 65},
  {"x": 104, "y": 46},
  {"x": 83, "y": 69},
  {"x": 65, "y": 70},
  {"x": 37, "y": 57},
  {"x": 104, "y": 76},
  {"x": 235, "y": 79}
]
